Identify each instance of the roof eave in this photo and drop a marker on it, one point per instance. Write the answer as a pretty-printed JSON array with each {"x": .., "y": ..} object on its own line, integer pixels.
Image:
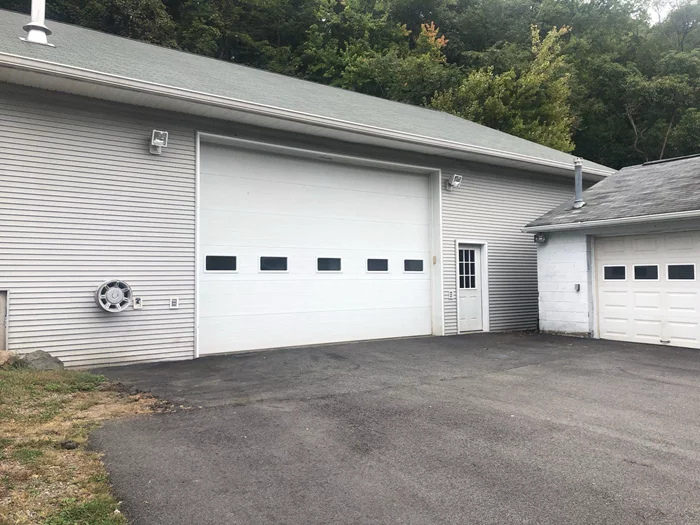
[
  {"x": 91, "y": 77},
  {"x": 639, "y": 219}
]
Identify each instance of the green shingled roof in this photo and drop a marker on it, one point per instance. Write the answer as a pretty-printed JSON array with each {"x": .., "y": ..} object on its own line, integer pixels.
[{"x": 104, "y": 53}]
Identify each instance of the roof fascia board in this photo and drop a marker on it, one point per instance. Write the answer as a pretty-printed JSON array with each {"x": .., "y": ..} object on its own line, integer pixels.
[
  {"x": 679, "y": 215},
  {"x": 97, "y": 78}
]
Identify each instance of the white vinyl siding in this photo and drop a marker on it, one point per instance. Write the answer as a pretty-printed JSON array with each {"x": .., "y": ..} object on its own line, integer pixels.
[
  {"x": 82, "y": 201},
  {"x": 492, "y": 205}
]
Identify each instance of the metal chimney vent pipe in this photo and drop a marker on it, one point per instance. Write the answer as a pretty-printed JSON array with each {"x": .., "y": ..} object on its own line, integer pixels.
[
  {"x": 37, "y": 31},
  {"x": 578, "y": 183}
]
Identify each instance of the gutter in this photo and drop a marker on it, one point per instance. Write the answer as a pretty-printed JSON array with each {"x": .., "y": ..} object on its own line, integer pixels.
[
  {"x": 21, "y": 63},
  {"x": 678, "y": 215}
]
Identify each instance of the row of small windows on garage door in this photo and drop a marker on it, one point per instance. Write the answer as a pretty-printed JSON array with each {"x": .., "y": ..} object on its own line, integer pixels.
[
  {"x": 650, "y": 272},
  {"x": 229, "y": 263}
]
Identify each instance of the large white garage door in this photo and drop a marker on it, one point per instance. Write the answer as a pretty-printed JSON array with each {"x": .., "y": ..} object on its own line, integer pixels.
[
  {"x": 648, "y": 290},
  {"x": 297, "y": 251}
]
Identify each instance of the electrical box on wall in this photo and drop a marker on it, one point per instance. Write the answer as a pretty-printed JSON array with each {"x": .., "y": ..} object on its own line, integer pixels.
[
  {"x": 451, "y": 294},
  {"x": 174, "y": 302},
  {"x": 138, "y": 303}
]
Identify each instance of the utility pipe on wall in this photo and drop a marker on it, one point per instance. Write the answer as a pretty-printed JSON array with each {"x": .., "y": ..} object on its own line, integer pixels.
[{"x": 578, "y": 183}]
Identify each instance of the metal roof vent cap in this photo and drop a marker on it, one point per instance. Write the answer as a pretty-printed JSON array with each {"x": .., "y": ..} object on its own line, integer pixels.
[
  {"x": 37, "y": 32},
  {"x": 578, "y": 183}
]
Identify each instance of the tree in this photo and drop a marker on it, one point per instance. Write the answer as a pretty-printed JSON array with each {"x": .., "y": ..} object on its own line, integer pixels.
[{"x": 532, "y": 103}]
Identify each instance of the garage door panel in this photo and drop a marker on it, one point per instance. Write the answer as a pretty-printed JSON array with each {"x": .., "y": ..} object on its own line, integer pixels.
[
  {"x": 283, "y": 199},
  {"x": 239, "y": 230},
  {"x": 647, "y": 329},
  {"x": 311, "y": 296},
  {"x": 661, "y": 311},
  {"x": 683, "y": 332},
  {"x": 256, "y": 204},
  {"x": 256, "y": 331},
  {"x": 616, "y": 327},
  {"x": 222, "y": 161},
  {"x": 683, "y": 302},
  {"x": 615, "y": 299},
  {"x": 647, "y": 301}
]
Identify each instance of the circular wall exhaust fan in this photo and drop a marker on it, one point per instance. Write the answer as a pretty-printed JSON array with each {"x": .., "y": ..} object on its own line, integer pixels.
[{"x": 113, "y": 296}]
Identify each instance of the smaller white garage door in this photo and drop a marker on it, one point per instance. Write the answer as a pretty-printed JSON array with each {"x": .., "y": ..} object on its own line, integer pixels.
[{"x": 648, "y": 290}]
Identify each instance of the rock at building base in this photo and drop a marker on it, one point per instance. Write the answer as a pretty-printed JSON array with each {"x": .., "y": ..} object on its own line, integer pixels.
[
  {"x": 40, "y": 360},
  {"x": 6, "y": 358}
]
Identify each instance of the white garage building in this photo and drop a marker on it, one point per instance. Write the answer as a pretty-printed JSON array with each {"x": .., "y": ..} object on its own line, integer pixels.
[
  {"x": 624, "y": 266},
  {"x": 279, "y": 212}
]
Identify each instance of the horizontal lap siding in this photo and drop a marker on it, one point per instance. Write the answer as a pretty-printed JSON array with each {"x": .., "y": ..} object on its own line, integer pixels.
[
  {"x": 82, "y": 201},
  {"x": 493, "y": 205}
]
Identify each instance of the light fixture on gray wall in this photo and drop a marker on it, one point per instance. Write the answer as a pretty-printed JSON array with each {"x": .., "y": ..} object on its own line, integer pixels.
[
  {"x": 159, "y": 140},
  {"x": 453, "y": 182},
  {"x": 540, "y": 238}
]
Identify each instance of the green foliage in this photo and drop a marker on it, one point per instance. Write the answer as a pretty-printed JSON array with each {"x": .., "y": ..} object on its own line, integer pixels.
[
  {"x": 98, "y": 511},
  {"x": 616, "y": 88},
  {"x": 532, "y": 103}
]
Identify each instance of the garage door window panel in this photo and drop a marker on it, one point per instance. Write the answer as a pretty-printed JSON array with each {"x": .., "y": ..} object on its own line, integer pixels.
[
  {"x": 681, "y": 272},
  {"x": 646, "y": 272},
  {"x": 412, "y": 265},
  {"x": 273, "y": 264},
  {"x": 615, "y": 273},
  {"x": 220, "y": 263},
  {"x": 377, "y": 265},
  {"x": 328, "y": 264}
]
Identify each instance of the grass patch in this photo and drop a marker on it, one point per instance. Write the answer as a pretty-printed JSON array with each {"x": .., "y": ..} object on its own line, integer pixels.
[
  {"x": 40, "y": 482},
  {"x": 98, "y": 511}
]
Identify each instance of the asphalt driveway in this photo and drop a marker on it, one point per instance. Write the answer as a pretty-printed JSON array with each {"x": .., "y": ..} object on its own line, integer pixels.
[{"x": 497, "y": 429}]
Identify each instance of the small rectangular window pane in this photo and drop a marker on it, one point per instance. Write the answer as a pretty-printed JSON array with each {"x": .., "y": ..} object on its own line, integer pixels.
[
  {"x": 648, "y": 272},
  {"x": 681, "y": 272},
  {"x": 377, "y": 265},
  {"x": 220, "y": 263},
  {"x": 614, "y": 273},
  {"x": 328, "y": 264},
  {"x": 273, "y": 264},
  {"x": 413, "y": 265}
]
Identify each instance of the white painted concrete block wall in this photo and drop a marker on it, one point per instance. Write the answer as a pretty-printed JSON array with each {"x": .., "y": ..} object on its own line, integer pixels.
[{"x": 562, "y": 263}]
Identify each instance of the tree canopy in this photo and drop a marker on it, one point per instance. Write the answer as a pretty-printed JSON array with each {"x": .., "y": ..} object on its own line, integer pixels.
[{"x": 598, "y": 78}]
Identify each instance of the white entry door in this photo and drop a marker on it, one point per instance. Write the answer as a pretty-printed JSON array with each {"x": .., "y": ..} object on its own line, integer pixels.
[{"x": 470, "y": 289}]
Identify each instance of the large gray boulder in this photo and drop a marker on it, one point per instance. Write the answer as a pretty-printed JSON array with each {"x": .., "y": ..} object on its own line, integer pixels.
[{"x": 40, "y": 360}]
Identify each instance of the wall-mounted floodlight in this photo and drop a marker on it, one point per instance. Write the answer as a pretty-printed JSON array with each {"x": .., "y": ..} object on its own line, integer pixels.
[
  {"x": 159, "y": 140},
  {"x": 453, "y": 182},
  {"x": 540, "y": 238}
]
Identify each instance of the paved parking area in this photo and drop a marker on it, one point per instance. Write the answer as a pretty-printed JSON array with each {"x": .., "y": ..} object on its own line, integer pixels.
[{"x": 480, "y": 429}]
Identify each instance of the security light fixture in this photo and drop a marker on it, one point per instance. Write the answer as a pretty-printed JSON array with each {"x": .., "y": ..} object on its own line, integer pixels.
[
  {"x": 453, "y": 182},
  {"x": 540, "y": 238},
  {"x": 159, "y": 140}
]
